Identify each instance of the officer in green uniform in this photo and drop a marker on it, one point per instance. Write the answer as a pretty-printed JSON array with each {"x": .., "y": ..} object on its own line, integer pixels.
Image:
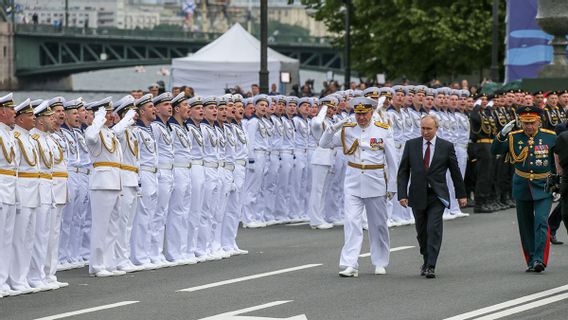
[{"x": 530, "y": 152}]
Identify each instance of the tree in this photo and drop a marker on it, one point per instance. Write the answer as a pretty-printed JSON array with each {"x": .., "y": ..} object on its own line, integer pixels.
[{"x": 419, "y": 39}]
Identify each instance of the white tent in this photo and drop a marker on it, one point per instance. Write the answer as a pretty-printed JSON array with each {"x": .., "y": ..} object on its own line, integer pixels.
[{"x": 232, "y": 59}]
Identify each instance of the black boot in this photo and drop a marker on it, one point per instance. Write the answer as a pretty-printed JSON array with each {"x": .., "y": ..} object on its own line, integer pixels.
[{"x": 481, "y": 206}]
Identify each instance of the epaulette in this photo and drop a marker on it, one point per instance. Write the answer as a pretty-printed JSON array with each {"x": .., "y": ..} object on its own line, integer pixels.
[
  {"x": 35, "y": 136},
  {"x": 517, "y": 131},
  {"x": 16, "y": 134},
  {"x": 350, "y": 124},
  {"x": 548, "y": 131},
  {"x": 382, "y": 125}
]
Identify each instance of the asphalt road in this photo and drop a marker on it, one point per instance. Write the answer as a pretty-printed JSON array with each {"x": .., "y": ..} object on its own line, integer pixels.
[{"x": 292, "y": 273}]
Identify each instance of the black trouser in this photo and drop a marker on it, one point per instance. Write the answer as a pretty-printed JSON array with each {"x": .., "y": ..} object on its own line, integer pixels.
[
  {"x": 503, "y": 177},
  {"x": 429, "y": 229},
  {"x": 560, "y": 213},
  {"x": 470, "y": 173},
  {"x": 484, "y": 180}
]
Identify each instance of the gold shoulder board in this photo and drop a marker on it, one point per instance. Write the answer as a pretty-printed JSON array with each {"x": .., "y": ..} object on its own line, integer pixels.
[
  {"x": 548, "y": 131},
  {"x": 350, "y": 124},
  {"x": 35, "y": 136},
  {"x": 16, "y": 134},
  {"x": 381, "y": 125},
  {"x": 517, "y": 131}
]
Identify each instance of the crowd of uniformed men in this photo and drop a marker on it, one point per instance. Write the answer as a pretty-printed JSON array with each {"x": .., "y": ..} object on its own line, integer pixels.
[{"x": 156, "y": 181}]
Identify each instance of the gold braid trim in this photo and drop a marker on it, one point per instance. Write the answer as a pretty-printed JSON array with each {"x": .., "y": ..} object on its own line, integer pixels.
[
  {"x": 134, "y": 149},
  {"x": 30, "y": 163},
  {"x": 8, "y": 157},
  {"x": 353, "y": 147},
  {"x": 48, "y": 164},
  {"x": 111, "y": 149},
  {"x": 61, "y": 156},
  {"x": 514, "y": 158}
]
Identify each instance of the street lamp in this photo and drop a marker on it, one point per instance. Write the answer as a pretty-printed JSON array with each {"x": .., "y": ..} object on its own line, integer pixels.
[
  {"x": 347, "y": 52},
  {"x": 263, "y": 74}
]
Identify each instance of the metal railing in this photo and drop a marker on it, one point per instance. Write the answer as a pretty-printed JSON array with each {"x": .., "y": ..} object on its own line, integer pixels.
[{"x": 38, "y": 29}]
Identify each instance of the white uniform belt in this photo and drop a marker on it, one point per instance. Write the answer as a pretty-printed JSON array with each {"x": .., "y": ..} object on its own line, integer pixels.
[
  {"x": 241, "y": 162},
  {"x": 222, "y": 164},
  {"x": 165, "y": 166},
  {"x": 80, "y": 170},
  {"x": 230, "y": 166},
  {"x": 286, "y": 151},
  {"x": 211, "y": 164},
  {"x": 261, "y": 151},
  {"x": 149, "y": 169},
  {"x": 462, "y": 145},
  {"x": 186, "y": 165},
  {"x": 196, "y": 162}
]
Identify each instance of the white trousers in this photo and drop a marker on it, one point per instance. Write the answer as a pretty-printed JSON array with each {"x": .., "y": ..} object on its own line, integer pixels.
[
  {"x": 22, "y": 245},
  {"x": 158, "y": 220},
  {"x": 67, "y": 218},
  {"x": 396, "y": 212},
  {"x": 128, "y": 204},
  {"x": 211, "y": 197},
  {"x": 176, "y": 222},
  {"x": 321, "y": 179},
  {"x": 197, "y": 180},
  {"x": 36, "y": 274},
  {"x": 104, "y": 230},
  {"x": 268, "y": 188},
  {"x": 226, "y": 185},
  {"x": 79, "y": 231},
  {"x": 297, "y": 185},
  {"x": 253, "y": 183},
  {"x": 140, "y": 239},
  {"x": 334, "y": 198},
  {"x": 233, "y": 210},
  {"x": 7, "y": 221},
  {"x": 461, "y": 155},
  {"x": 283, "y": 204},
  {"x": 379, "y": 240},
  {"x": 53, "y": 242}
]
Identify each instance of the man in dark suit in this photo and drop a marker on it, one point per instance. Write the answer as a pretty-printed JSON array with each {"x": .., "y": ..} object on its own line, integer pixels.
[{"x": 425, "y": 161}]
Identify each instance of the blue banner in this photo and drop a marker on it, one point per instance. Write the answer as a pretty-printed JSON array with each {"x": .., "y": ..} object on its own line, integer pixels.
[{"x": 526, "y": 44}]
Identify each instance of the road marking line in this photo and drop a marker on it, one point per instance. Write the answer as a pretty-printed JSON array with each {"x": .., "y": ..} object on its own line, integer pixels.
[
  {"x": 524, "y": 307},
  {"x": 297, "y": 224},
  {"x": 232, "y": 314},
  {"x": 507, "y": 304},
  {"x": 368, "y": 254},
  {"x": 89, "y": 310},
  {"x": 251, "y": 277}
]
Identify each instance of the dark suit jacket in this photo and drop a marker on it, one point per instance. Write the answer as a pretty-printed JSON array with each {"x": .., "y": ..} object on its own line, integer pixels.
[{"x": 412, "y": 167}]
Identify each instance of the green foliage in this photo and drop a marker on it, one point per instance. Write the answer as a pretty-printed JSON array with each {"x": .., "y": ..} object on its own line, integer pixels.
[{"x": 419, "y": 39}]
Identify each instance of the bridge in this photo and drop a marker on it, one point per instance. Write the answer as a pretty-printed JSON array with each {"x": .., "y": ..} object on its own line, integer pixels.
[{"x": 47, "y": 51}]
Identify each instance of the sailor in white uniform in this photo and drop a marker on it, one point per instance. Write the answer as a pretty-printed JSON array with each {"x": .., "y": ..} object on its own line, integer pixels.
[
  {"x": 284, "y": 195},
  {"x": 299, "y": 175},
  {"x": 27, "y": 197},
  {"x": 7, "y": 189},
  {"x": 369, "y": 149},
  {"x": 105, "y": 186}
]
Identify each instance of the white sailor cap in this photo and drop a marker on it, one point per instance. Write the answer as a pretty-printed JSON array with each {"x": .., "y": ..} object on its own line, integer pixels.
[
  {"x": 164, "y": 97},
  {"x": 443, "y": 90},
  {"x": 371, "y": 92},
  {"x": 35, "y": 103},
  {"x": 315, "y": 101},
  {"x": 387, "y": 92},
  {"x": 124, "y": 104},
  {"x": 464, "y": 93},
  {"x": 181, "y": 97},
  {"x": 247, "y": 101},
  {"x": 210, "y": 101},
  {"x": 362, "y": 104},
  {"x": 222, "y": 101},
  {"x": 430, "y": 92},
  {"x": 143, "y": 100},
  {"x": 237, "y": 98},
  {"x": 291, "y": 100},
  {"x": 229, "y": 98},
  {"x": 73, "y": 104},
  {"x": 7, "y": 101},
  {"x": 24, "y": 107},
  {"x": 42, "y": 109},
  {"x": 305, "y": 100},
  {"x": 455, "y": 92},
  {"x": 89, "y": 105},
  {"x": 329, "y": 101},
  {"x": 357, "y": 93},
  {"x": 420, "y": 89},
  {"x": 398, "y": 88},
  {"x": 195, "y": 101},
  {"x": 154, "y": 86},
  {"x": 56, "y": 102},
  {"x": 409, "y": 89},
  {"x": 106, "y": 103},
  {"x": 260, "y": 97}
]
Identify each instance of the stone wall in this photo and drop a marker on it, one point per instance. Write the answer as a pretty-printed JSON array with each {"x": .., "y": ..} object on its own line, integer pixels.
[{"x": 7, "y": 77}]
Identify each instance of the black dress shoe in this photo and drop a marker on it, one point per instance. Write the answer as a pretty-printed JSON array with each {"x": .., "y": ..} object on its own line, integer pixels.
[
  {"x": 553, "y": 240},
  {"x": 423, "y": 270},
  {"x": 538, "y": 267},
  {"x": 430, "y": 274}
]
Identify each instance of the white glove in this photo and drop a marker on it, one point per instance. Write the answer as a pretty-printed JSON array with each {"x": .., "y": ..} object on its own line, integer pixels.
[
  {"x": 101, "y": 113},
  {"x": 507, "y": 128},
  {"x": 390, "y": 195},
  {"x": 490, "y": 104},
  {"x": 129, "y": 117},
  {"x": 340, "y": 124},
  {"x": 381, "y": 102}
]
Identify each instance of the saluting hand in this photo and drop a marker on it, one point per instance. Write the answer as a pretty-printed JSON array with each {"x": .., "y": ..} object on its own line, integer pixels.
[{"x": 507, "y": 128}]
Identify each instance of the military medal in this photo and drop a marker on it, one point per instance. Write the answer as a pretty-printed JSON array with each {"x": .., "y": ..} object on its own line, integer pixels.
[
  {"x": 545, "y": 163},
  {"x": 538, "y": 162}
]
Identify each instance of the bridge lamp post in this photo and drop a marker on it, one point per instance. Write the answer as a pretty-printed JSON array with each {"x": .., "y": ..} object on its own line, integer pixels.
[
  {"x": 347, "y": 52},
  {"x": 263, "y": 74}
]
